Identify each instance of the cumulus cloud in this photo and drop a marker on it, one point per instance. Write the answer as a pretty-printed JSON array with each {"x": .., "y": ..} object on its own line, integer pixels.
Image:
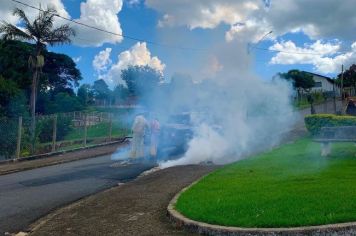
[
  {"x": 137, "y": 55},
  {"x": 97, "y": 13},
  {"x": 7, "y": 7},
  {"x": 102, "y": 60},
  {"x": 281, "y": 16},
  {"x": 202, "y": 13},
  {"x": 325, "y": 57},
  {"x": 101, "y": 14}
]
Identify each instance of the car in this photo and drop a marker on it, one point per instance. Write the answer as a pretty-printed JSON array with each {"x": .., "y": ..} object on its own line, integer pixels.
[{"x": 175, "y": 135}]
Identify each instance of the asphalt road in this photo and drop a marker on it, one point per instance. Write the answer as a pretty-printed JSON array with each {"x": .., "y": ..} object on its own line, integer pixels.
[{"x": 28, "y": 195}]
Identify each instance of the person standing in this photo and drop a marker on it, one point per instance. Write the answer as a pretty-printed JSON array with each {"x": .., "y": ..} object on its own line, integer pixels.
[
  {"x": 138, "y": 130},
  {"x": 155, "y": 128}
]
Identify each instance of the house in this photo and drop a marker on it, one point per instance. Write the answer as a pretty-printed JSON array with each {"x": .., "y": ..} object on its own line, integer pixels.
[{"x": 324, "y": 84}]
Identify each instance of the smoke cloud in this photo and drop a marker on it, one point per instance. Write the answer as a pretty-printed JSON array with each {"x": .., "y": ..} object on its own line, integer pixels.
[
  {"x": 234, "y": 113},
  {"x": 235, "y": 118}
]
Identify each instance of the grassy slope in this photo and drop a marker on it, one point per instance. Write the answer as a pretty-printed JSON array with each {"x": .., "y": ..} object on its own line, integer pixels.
[
  {"x": 289, "y": 186},
  {"x": 96, "y": 131}
]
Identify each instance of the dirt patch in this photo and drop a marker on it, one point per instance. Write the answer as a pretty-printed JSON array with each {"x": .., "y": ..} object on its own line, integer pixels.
[
  {"x": 58, "y": 159},
  {"x": 135, "y": 208}
]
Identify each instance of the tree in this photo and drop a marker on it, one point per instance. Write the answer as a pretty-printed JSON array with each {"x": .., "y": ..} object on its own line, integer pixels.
[
  {"x": 60, "y": 75},
  {"x": 42, "y": 32},
  {"x": 120, "y": 93},
  {"x": 85, "y": 95},
  {"x": 302, "y": 81},
  {"x": 349, "y": 77},
  {"x": 101, "y": 91},
  {"x": 142, "y": 82}
]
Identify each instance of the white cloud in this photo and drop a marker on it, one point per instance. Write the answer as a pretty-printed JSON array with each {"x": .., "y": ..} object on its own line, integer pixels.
[
  {"x": 102, "y": 61},
  {"x": 317, "y": 18},
  {"x": 98, "y": 13},
  {"x": 77, "y": 59},
  {"x": 101, "y": 14},
  {"x": 323, "y": 56},
  {"x": 133, "y": 2},
  {"x": 206, "y": 14},
  {"x": 137, "y": 55},
  {"x": 7, "y": 7}
]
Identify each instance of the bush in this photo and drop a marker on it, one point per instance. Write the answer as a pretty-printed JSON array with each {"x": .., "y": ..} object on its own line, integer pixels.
[
  {"x": 314, "y": 123},
  {"x": 45, "y": 128},
  {"x": 8, "y": 138}
]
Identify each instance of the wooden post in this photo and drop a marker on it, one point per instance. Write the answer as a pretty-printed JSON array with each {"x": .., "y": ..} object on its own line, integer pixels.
[
  {"x": 19, "y": 134},
  {"x": 54, "y": 134},
  {"x": 110, "y": 127},
  {"x": 334, "y": 99},
  {"x": 85, "y": 130},
  {"x": 342, "y": 83}
]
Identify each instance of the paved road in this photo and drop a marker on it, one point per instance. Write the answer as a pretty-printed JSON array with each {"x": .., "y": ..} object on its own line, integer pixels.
[{"x": 28, "y": 195}]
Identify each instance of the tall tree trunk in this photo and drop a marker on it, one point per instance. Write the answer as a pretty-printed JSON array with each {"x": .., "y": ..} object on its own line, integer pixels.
[
  {"x": 34, "y": 95},
  {"x": 33, "y": 109}
]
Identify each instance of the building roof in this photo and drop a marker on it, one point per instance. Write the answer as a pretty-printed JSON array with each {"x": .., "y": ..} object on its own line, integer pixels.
[{"x": 322, "y": 76}]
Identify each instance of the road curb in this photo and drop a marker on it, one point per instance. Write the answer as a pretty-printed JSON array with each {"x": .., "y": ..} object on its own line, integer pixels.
[
  {"x": 193, "y": 226},
  {"x": 49, "y": 155}
]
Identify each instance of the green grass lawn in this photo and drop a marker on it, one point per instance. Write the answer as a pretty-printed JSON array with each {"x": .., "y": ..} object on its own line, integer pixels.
[
  {"x": 289, "y": 186},
  {"x": 97, "y": 131}
]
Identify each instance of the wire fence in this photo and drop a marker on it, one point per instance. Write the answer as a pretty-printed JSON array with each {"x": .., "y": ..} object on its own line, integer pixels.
[{"x": 59, "y": 132}]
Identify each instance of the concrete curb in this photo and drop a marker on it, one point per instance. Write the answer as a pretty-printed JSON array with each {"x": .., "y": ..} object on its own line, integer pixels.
[
  {"x": 193, "y": 226},
  {"x": 45, "y": 156},
  {"x": 50, "y": 154}
]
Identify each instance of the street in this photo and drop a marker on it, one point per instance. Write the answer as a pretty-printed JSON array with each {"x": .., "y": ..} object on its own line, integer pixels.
[{"x": 28, "y": 195}]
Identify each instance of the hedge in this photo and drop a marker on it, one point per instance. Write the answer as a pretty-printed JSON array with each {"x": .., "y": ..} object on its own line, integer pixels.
[{"x": 314, "y": 123}]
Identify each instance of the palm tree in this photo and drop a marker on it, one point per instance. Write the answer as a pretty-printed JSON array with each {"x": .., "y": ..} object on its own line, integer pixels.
[{"x": 42, "y": 32}]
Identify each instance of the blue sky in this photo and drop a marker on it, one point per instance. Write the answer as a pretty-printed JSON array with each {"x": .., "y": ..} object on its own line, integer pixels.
[{"x": 311, "y": 43}]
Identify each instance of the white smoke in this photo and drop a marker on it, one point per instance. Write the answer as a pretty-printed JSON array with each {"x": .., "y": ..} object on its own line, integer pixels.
[{"x": 237, "y": 117}]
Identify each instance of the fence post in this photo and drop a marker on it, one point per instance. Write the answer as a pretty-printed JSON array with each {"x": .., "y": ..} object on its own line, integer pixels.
[
  {"x": 54, "y": 134},
  {"x": 85, "y": 130},
  {"x": 110, "y": 127},
  {"x": 19, "y": 134}
]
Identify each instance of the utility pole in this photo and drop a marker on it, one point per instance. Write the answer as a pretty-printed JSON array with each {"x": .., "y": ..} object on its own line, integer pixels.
[
  {"x": 334, "y": 93},
  {"x": 342, "y": 83}
]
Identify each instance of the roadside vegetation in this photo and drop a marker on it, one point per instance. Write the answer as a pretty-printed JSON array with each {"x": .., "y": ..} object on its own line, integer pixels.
[{"x": 289, "y": 186}]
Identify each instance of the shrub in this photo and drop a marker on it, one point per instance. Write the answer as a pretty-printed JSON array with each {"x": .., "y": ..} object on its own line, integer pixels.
[
  {"x": 8, "y": 137},
  {"x": 314, "y": 123},
  {"x": 45, "y": 128}
]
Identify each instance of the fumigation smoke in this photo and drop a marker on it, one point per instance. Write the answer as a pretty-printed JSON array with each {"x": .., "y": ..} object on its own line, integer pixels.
[
  {"x": 234, "y": 118},
  {"x": 234, "y": 113}
]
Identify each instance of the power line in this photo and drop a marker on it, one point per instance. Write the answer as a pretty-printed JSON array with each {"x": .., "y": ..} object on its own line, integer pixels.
[{"x": 110, "y": 32}]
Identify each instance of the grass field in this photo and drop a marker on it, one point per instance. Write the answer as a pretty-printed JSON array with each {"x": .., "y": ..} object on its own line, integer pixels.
[
  {"x": 289, "y": 186},
  {"x": 97, "y": 131}
]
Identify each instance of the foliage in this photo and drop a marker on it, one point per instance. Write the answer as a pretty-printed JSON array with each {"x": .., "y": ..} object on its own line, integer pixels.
[
  {"x": 8, "y": 89},
  {"x": 85, "y": 95},
  {"x": 120, "y": 93},
  {"x": 60, "y": 75},
  {"x": 45, "y": 128},
  {"x": 349, "y": 77},
  {"x": 64, "y": 102},
  {"x": 289, "y": 186},
  {"x": 315, "y": 122},
  {"x": 318, "y": 97},
  {"x": 8, "y": 137},
  {"x": 141, "y": 81},
  {"x": 301, "y": 80},
  {"x": 41, "y": 30},
  {"x": 101, "y": 91}
]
